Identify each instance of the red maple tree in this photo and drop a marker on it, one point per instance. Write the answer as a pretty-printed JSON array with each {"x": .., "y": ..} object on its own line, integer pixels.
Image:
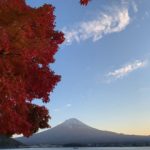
[{"x": 28, "y": 42}]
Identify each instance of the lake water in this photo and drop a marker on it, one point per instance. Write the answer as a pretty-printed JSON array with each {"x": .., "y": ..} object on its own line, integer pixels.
[{"x": 88, "y": 148}]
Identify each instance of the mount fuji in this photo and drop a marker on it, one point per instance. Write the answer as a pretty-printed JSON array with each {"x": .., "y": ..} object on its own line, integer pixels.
[{"x": 74, "y": 132}]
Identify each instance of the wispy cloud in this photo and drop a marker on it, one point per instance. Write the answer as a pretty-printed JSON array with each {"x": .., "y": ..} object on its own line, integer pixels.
[
  {"x": 126, "y": 69},
  {"x": 56, "y": 110},
  {"x": 109, "y": 22},
  {"x": 68, "y": 105},
  {"x": 64, "y": 107},
  {"x": 135, "y": 6}
]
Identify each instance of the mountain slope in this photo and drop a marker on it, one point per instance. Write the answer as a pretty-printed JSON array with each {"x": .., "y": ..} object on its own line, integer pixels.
[{"x": 74, "y": 131}]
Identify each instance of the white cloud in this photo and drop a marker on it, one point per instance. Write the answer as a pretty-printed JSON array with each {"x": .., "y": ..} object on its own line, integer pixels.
[
  {"x": 56, "y": 110},
  {"x": 68, "y": 105},
  {"x": 123, "y": 71},
  {"x": 106, "y": 23},
  {"x": 147, "y": 14},
  {"x": 135, "y": 7}
]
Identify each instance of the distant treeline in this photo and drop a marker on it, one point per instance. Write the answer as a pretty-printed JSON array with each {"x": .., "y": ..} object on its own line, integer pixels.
[{"x": 126, "y": 144}]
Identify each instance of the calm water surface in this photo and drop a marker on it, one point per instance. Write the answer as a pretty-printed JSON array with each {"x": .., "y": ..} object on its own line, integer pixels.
[{"x": 96, "y": 148}]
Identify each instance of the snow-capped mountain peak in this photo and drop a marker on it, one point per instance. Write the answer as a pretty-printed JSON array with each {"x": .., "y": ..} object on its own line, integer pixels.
[{"x": 73, "y": 122}]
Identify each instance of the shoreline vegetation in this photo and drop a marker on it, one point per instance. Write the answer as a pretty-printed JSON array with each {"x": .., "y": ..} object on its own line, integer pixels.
[
  {"x": 90, "y": 145},
  {"x": 6, "y": 142}
]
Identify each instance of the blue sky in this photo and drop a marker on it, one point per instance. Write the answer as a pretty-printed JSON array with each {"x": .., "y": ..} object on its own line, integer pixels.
[{"x": 104, "y": 64}]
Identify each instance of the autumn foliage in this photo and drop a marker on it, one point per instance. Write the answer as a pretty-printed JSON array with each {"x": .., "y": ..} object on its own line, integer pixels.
[{"x": 28, "y": 42}]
